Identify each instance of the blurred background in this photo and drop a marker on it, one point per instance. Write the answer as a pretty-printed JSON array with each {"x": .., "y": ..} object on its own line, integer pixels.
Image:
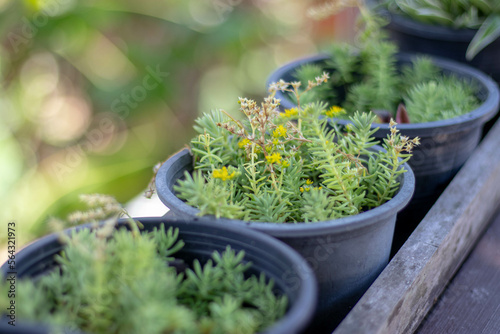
[{"x": 95, "y": 93}]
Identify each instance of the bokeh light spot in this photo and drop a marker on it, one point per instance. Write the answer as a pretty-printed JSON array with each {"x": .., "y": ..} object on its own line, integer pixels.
[
  {"x": 39, "y": 75},
  {"x": 63, "y": 119}
]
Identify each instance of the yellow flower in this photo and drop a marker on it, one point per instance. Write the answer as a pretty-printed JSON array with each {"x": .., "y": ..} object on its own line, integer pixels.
[
  {"x": 274, "y": 158},
  {"x": 285, "y": 164},
  {"x": 280, "y": 131},
  {"x": 308, "y": 181},
  {"x": 223, "y": 174},
  {"x": 276, "y": 141},
  {"x": 335, "y": 111},
  {"x": 289, "y": 113},
  {"x": 244, "y": 142}
]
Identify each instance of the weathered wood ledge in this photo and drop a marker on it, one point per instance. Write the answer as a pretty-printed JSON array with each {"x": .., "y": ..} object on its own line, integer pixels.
[{"x": 408, "y": 287}]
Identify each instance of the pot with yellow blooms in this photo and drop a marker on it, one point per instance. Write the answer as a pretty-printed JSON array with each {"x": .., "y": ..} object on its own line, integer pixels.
[{"x": 327, "y": 191}]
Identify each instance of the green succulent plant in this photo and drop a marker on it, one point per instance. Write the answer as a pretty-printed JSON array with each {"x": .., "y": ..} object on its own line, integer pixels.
[
  {"x": 367, "y": 76},
  {"x": 117, "y": 280},
  {"x": 291, "y": 167},
  {"x": 482, "y": 15}
]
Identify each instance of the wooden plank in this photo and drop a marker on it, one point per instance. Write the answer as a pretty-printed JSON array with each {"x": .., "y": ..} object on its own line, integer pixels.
[
  {"x": 408, "y": 287},
  {"x": 471, "y": 302}
]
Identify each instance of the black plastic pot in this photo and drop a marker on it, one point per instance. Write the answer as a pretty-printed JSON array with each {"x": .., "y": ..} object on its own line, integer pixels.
[
  {"x": 445, "y": 144},
  {"x": 416, "y": 37},
  {"x": 346, "y": 254},
  {"x": 290, "y": 272}
]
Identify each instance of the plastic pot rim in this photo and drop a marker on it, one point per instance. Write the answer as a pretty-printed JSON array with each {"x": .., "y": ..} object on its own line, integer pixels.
[
  {"x": 410, "y": 26},
  {"x": 483, "y": 113},
  {"x": 341, "y": 225}
]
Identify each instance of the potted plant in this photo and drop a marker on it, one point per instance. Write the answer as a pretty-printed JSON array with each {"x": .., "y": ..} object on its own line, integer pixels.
[
  {"x": 465, "y": 31},
  {"x": 444, "y": 103},
  {"x": 330, "y": 193},
  {"x": 157, "y": 276}
]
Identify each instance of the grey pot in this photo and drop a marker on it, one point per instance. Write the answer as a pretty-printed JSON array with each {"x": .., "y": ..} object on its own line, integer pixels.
[
  {"x": 346, "y": 254},
  {"x": 445, "y": 144}
]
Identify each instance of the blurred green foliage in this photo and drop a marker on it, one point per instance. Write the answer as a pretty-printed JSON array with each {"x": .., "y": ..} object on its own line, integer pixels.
[{"x": 96, "y": 92}]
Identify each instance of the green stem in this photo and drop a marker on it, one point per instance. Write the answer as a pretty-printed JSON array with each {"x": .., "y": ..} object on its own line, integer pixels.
[
  {"x": 395, "y": 165},
  {"x": 322, "y": 138}
]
